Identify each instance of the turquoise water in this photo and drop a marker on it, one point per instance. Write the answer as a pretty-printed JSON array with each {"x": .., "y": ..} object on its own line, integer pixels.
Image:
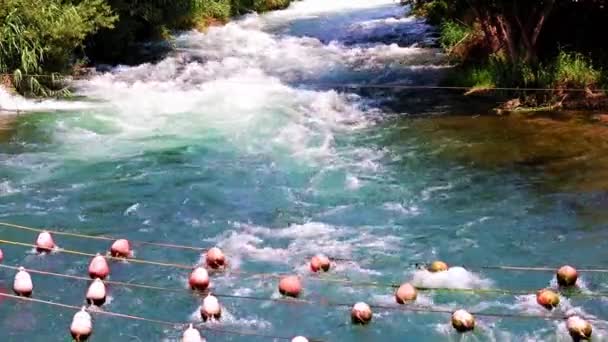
[{"x": 232, "y": 141}]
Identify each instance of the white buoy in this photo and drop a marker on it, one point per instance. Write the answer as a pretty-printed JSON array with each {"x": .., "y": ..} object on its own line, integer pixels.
[
  {"x": 98, "y": 268},
  {"x": 463, "y": 321},
  {"x": 45, "y": 243},
  {"x": 22, "y": 285},
  {"x": 215, "y": 258},
  {"x": 192, "y": 335},
  {"x": 579, "y": 328},
  {"x": 199, "y": 279},
  {"x": 361, "y": 313},
  {"x": 211, "y": 309},
  {"x": 96, "y": 294},
  {"x": 299, "y": 339},
  {"x": 82, "y": 326}
]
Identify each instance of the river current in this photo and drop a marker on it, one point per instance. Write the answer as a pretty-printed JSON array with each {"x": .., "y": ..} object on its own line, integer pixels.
[{"x": 251, "y": 137}]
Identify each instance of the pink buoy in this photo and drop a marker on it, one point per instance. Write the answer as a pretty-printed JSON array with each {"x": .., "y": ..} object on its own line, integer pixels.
[
  {"x": 45, "y": 243},
  {"x": 192, "y": 335},
  {"x": 566, "y": 276},
  {"x": 579, "y": 328},
  {"x": 22, "y": 285},
  {"x": 320, "y": 263},
  {"x": 121, "y": 248},
  {"x": 361, "y": 313},
  {"x": 1, "y": 256},
  {"x": 299, "y": 339},
  {"x": 215, "y": 258},
  {"x": 211, "y": 309},
  {"x": 463, "y": 321},
  {"x": 406, "y": 293},
  {"x": 290, "y": 286},
  {"x": 82, "y": 326},
  {"x": 96, "y": 294},
  {"x": 98, "y": 268},
  {"x": 199, "y": 279}
]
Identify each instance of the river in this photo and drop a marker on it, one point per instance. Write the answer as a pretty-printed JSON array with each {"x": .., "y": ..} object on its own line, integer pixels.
[{"x": 242, "y": 138}]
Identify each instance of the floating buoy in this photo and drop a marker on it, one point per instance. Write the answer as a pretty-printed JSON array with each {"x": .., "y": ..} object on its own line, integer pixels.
[
  {"x": 211, "y": 309},
  {"x": 96, "y": 294},
  {"x": 320, "y": 263},
  {"x": 192, "y": 335},
  {"x": 547, "y": 298},
  {"x": 579, "y": 328},
  {"x": 45, "y": 243},
  {"x": 121, "y": 248},
  {"x": 299, "y": 339},
  {"x": 361, "y": 313},
  {"x": 23, "y": 286},
  {"x": 406, "y": 293},
  {"x": 98, "y": 268},
  {"x": 566, "y": 276},
  {"x": 463, "y": 321},
  {"x": 1, "y": 256},
  {"x": 215, "y": 258},
  {"x": 290, "y": 286},
  {"x": 199, "y": 279},
  {"x": 438, "y": 266},
  {"x": 82, "y": 326}
]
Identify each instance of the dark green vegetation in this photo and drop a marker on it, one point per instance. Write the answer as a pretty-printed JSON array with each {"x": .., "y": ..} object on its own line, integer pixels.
[
  {"x": 555, "y": 44},
  {"x": 54, "y": 37}
]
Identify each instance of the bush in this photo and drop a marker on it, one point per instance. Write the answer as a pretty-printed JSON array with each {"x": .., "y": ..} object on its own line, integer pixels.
[
  {"x": 40, "y": 37},
  {"x": 453, "y": 33},
  {"x": 573, "y": 70}
]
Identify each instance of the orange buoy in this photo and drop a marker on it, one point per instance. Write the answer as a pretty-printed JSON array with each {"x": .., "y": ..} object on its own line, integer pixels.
[
  {"x": 361, "y": 313},
  {"x": 547, "y": 298},
  {"x": 45, "y": 243},
  {"x": 299, "y": 339},
  {"x": 406, "y": 293},
  {"x": 320, "y": 262},
  {"x": 192, "y": 335},
  {"x": 96, "y": 294},
  {"x": 463, "y": 321},
  {"x": 438, "y": 266},
  {"x": 199, "y": 279},
  {"x": 290, "y": 286},
  {"x": 579, "y": 328},
  {"x": 22, "y": 285},
  {"x": 82, "y": 326},
  {"x": 566, "y": 276},
  {"x": 215, "y": 258},
  {"x": 98, "y": 268},
  {"x": 211, "y": 309},
  {"x": 121, "y": 248}
]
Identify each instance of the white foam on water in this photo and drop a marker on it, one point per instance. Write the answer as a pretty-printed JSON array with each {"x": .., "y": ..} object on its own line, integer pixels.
[
  {"x": 12, "y": 102},
  {"x": 453, "y": 278}
]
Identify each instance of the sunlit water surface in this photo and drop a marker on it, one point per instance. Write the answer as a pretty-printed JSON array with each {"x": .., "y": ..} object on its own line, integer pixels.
[{"x": 238, "y": 139}]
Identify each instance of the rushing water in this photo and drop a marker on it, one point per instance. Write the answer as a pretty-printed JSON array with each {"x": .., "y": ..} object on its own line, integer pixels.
[{"x": 240, "y": 139}]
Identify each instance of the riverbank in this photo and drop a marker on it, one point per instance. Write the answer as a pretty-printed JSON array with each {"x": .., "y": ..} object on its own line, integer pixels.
[{"x": 523, "y": 54}]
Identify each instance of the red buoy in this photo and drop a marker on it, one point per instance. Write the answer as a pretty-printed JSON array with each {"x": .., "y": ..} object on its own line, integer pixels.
[
  {"x": 82, "y": 326},
  {"x": 96, "y": 294},
  {"x": 121, "y": 248},
  {"x": 361, "y": 313},
  {"x": 45, "y": 243},
  {"x": 547, "y": 298},
  {"x": 406, "y": 293},
  {"x": 22, "y": 285},
  {"x": 199, "y": 279},
  {"x": 290, "y": 286},
  {"x": 192, "y": 335},
  {"x": 320, "y": 263},
  {"x": 211, "y": 309},
  {"x": 98, "y": 268},
  {"x": 215, "y": 258}
]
